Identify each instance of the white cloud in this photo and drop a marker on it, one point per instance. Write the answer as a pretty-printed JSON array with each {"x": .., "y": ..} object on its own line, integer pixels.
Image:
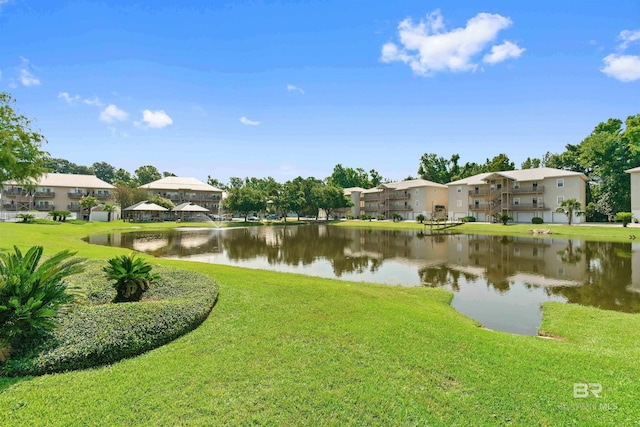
[
  {"x": 68, "y": 98},
  {"x": 248, "y": 122},
  {"x": 503, "y": 52},
  {"x": 628, "y": 37},
  {"x": 155, "y": 119},
  {"x": 428, "y": 48},
  {"x": 113, "y": 113},
  {"x": 93, "y": 101},
  {"x": 292, "y": 88},
  {"x": 625, "y": 68},
  {"x": 26, "y": 77}
]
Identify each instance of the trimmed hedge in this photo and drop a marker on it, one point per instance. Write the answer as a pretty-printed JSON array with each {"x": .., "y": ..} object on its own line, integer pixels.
[
  {"x": 468, "y": 219},
  {"x": 98, "y": 332},
  {"x": 537, "y": 220}
]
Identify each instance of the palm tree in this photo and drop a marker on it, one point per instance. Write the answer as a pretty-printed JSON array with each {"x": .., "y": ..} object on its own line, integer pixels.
[
  {"x": 109, "y": 208},
  {"x": 570, "y": 207},
  {"x": 132, "y": 277}
]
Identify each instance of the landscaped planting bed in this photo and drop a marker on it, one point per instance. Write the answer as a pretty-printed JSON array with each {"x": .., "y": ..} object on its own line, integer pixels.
[{"x": 96, "y": 331}]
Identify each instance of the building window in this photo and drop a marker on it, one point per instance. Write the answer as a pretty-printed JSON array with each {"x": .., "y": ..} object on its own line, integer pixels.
[
  {"x": 516, "y": 201},
  {"x": 560, "y": 183},
  {"x": 459, "y": 203},
  {"x": 534, "y": 201},
  {"x": 417, "y": 203},
  {"x": 459, "y": 189},
  {"x": 417, "y": 191},
  {"x": 516, "y": 185},
  {"x": 534, "y": 184},
  {"x": 560, "y": 200}
]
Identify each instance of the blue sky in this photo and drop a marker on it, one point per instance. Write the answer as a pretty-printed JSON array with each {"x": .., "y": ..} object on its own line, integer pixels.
[{"x": 288, "y": 88}]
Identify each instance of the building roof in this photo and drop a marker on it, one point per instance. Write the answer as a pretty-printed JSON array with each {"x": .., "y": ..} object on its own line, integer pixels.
[
  {"x": 372, "y": 190},
  {"x": 633, "y": 170},
  {"x": 68, "y": 180},
  {"x": 145, "y": 206},
  {"x": 348, "y": 191},
  {"x": 175, "y": 183},
  {"x": 537, "y": 174},
  {"x": 412, "y": 183},
  {"x": 189, "y": 207}
]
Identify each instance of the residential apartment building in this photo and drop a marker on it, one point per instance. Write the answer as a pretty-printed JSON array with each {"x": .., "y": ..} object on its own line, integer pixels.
[
  {"x": 54, "y": 191},
  {"x": 355, "y": 195},
  {"x": 180, "y": 190},
  {"x": 407, "y": 198},
  {"x": 523, "y": 194},
  {"x": 635, "y": 191}
]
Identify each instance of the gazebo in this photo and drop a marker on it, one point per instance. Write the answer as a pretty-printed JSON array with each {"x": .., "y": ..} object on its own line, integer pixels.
[
  {"x": 143, "y": 212},
  {"x": 189, "y": 211}
]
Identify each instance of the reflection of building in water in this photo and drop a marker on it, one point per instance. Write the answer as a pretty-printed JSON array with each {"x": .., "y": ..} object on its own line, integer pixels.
[
  {"x": 542, "y": 262},
  {"x": 635, "y": 268}
]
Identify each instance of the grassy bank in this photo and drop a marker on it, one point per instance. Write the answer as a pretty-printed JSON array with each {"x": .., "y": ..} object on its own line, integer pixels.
[
  {"x": 612, "y": 232},
  {"x": 283, "y": 349}
]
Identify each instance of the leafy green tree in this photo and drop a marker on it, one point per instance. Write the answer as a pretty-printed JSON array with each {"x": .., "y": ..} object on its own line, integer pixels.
[
  {"x": 104, "y": 171},
  {"x": 499, "y": 163},
  {"x": 434, "y": 168},
  {"x": 420, "y": 218},
  {"x": 122, "y": 177},
  {"x": 293, "y": 199},
  {"x": 376, "y": 179},
  {"x": 166, "y": 174},
  {"x": 349, "y": 177},
  {"x": 20, "y": 156},
  {"x": 161, "y": 201},
  {"x": 570, "y": 207},
  {"x": 147, "y": 174},
  {"x": 235, "y": 182},
  {"x": 504, "y": 218},
  {"x": 245, "y": 200},
  {"x": 329, "y": 198},
  {"x": 132, "y": 277},
  {"x": 531, "y": 163},
  {"x": 217, "y": 183},
  {"x": 126, "y": 196},
  {"x": 33, "y": 293}
]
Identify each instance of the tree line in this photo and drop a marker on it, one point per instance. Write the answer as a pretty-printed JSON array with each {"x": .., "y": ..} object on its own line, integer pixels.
[{"x": 603, "y": 156}]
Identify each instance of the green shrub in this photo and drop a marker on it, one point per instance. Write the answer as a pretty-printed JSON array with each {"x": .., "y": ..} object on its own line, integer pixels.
[
  {"x": 99, "y": 333},
  {"x": 537, "y": 220},
  {"x": 25, "y": 217},
  {"x": 366, "y": 217},
  {"x": 132, "y": 277},
  {"x": 504, "y": 218},
  {"x": 420, "y": 218},
  {"x": 380, "y": 217},
  {"x": 624, "y": 217},
  {"x": 396, "y": 217},
  {"x": 32, "y": 293},
  {"x": 468, "y": 219}
]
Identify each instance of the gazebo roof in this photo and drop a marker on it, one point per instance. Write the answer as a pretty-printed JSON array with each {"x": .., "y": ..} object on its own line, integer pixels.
[
  {"x": 145, "y": 206},
  {"x": 189, "y": 207}
]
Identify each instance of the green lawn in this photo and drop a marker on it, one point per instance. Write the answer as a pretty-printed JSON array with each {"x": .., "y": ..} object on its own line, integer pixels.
[
  {"x": 608, "y": 232},
  {"x": 283, "y": 349}
]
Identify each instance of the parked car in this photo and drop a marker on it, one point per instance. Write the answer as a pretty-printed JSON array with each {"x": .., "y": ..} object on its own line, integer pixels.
[
  {"x": 272, "y": 216},
  {"x": 253, "y": 218}
]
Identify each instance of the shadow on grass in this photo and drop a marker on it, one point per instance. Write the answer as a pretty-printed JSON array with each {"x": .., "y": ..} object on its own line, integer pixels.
[{"x": 6, "y": 382}]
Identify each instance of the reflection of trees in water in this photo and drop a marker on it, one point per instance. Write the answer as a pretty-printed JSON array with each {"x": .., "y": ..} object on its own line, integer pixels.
[
  {"x": 442, "y": 275},
  {"x": 571, "y": 255},
  {"x": 300, "y": 245},
  {"x": 609, "y": 273}
]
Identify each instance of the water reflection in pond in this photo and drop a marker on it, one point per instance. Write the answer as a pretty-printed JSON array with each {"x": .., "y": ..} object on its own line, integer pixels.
[{"x": 499, "y": 281}]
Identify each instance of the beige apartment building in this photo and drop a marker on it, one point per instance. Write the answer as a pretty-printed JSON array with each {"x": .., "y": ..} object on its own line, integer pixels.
[
  {"x": 523, "y": 194},
  {"x": 634, "y": 175},
  {"x": 55, "y": 191},
  {"x": 406, "y": 198},
  {"x": 355, "y": 195},
  {"x": 181, "y": 190}
]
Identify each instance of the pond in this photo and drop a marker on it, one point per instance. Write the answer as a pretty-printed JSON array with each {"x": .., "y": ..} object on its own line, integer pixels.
[{"x": 499, "y": 281}]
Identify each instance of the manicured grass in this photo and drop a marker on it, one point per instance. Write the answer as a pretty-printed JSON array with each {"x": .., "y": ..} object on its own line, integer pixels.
[
  {"x": 283, "y": 349},
  {"x": 608, "y": 232}
]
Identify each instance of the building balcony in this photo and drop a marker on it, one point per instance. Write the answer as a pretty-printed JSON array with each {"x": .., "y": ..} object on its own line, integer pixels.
[
  {"x": 539, "y": 189},
  {"x": 45, "y": 194},
  {"x": 76, "y": 194},
  {"x": 74, "y": 207},
  {"x": 15, "y": 192},
  {"x": 103, "y": 196},
  {"x": 509, "y": 207},
  {"x": 44, "y": 207}
]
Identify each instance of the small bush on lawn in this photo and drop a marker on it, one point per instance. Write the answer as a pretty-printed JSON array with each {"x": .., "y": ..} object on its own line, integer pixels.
[
  {"x": 537, "y": 220},
  {"x": 98, "y": 333},
  {"x": 33, "y": 292},
  {"x": 468, "y": 219},
  {"x": 132, "y": 277}
]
